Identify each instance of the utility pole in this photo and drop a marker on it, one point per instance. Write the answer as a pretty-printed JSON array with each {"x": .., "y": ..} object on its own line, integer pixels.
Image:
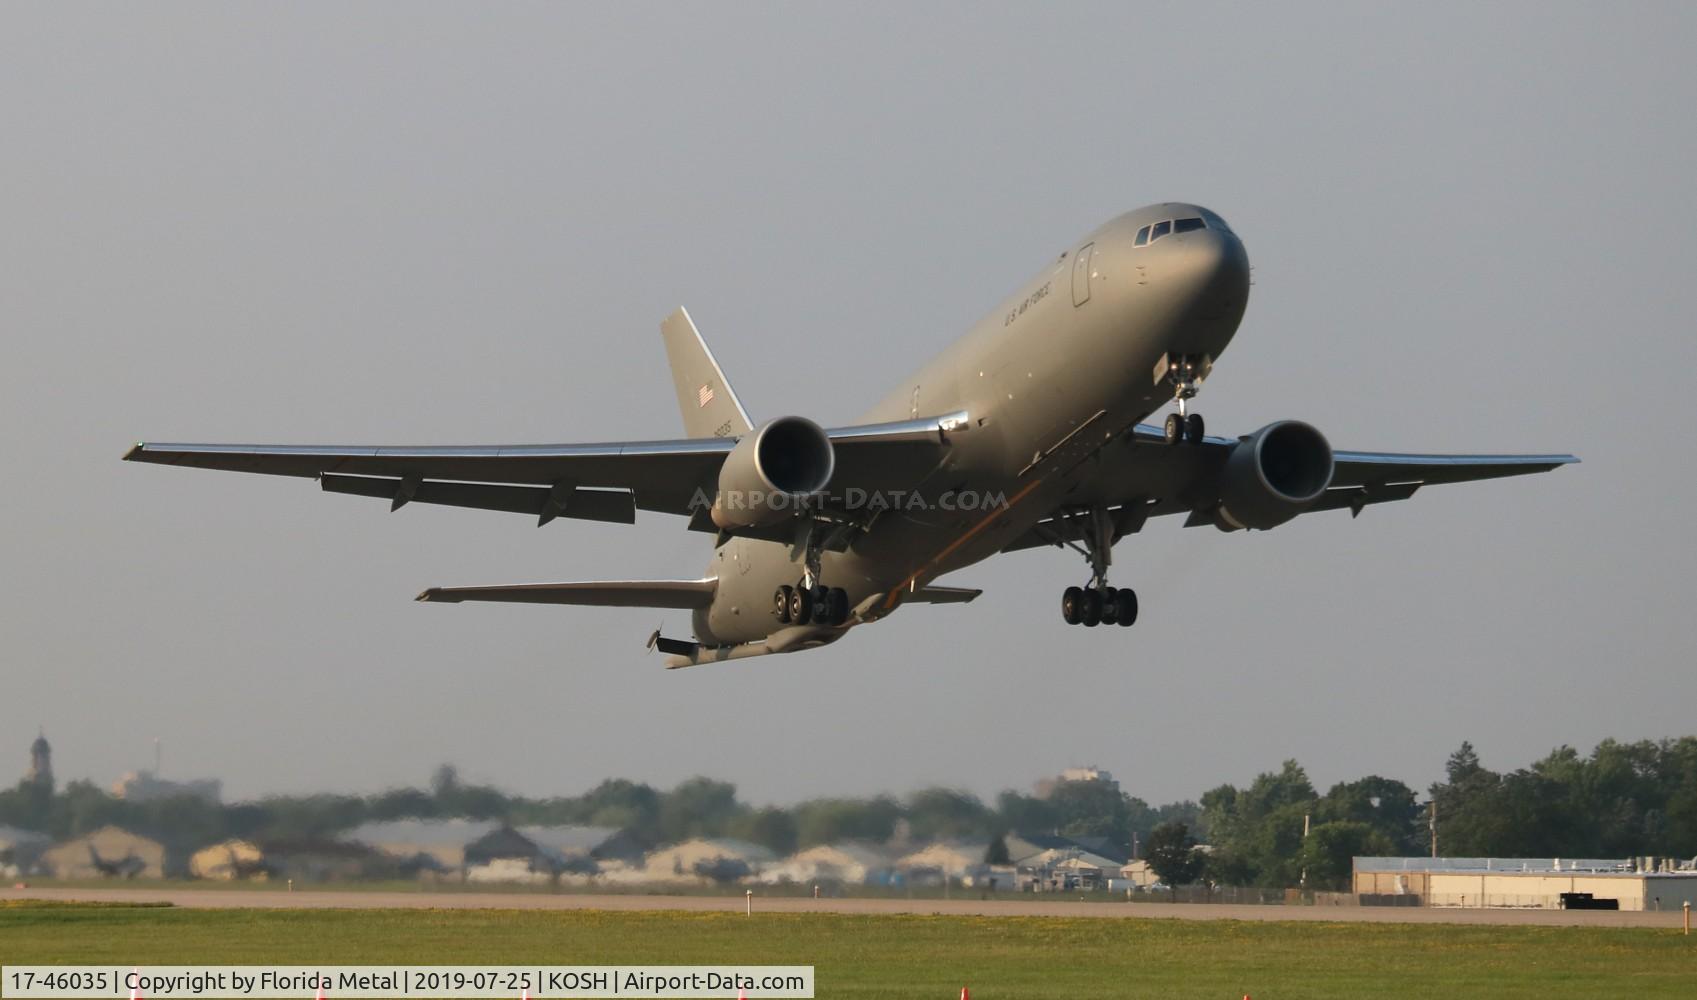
[
  {"x": 1304, "y": 880},
  {"x": 1432, "y": 825}
]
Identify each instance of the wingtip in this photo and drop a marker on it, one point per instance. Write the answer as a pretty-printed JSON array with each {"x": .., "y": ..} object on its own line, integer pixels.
[
  {"x": 134, "y": 452},
  {"x": 428, "y": 594}
]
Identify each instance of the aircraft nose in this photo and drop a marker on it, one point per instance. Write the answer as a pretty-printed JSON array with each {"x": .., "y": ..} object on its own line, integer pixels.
[{"x": 1211, "y": 267}]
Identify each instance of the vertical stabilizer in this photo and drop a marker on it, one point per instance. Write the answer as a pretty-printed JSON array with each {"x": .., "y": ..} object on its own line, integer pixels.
[{"x": 709, "y": 407}]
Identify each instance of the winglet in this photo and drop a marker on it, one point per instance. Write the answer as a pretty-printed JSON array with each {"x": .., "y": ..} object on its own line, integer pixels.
[{"x": 709, "y": 406}]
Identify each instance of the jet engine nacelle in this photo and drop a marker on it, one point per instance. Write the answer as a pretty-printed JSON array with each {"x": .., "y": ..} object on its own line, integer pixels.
[
  {"x": 767, "y": 476},
  {"x": 1273, "y": 475}
]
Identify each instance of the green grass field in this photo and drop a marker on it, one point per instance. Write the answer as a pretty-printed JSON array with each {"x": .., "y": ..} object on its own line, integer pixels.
[{"x": 902, "y": 956}]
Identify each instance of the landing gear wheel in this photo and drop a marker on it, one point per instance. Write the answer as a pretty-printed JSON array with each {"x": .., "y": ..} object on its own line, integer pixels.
[
  {"x": 1072, "y": 605},
  {"x": 781, "y": 603},
  {"x": 1092, "y": 608},
  {"x": 801, "y": 605},
  {"x": 1110, "y": 605},
  {"x": 1193, "y": 428},
  {"x": 1175, "y": 428},
  {"x": 838, "y": 607},
  {"x": 821, "y": 604},
  {"x": 1125, "y": 602}
]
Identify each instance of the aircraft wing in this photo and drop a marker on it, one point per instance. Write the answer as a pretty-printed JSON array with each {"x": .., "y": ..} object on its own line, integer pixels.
[
  {"x": 597, "y": 481},
  {"x": 1141, "y": 476}
]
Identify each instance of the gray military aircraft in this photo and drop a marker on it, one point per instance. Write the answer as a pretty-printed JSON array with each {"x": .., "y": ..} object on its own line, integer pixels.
[{"x": 1025, "y": 432}]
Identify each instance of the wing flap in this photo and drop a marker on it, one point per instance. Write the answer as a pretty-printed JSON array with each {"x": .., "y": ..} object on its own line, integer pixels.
[
  {"x": 679, "y": 594},
  {"x": 621, "y": 464},
  {"x": 614, "y": 506}
]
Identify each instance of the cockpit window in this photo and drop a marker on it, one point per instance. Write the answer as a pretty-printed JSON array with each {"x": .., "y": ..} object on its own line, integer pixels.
[{"x": 1149, "y": 234}]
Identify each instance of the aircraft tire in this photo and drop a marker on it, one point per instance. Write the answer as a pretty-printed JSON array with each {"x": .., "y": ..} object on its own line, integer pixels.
[
  {"x": 1193, "y": 428},
  {"x": 1092, "y": 616},
  {"x": 1126, "y": 600},
  {"x": 801, "y": 606},
  {"x": 781, "y": 603},
  {"x": 1174, "y": 428},
  {"x": 1072, "y": 605},
  {"x": 1110, "y": 605},
  {"x": 838, "y": 604}
]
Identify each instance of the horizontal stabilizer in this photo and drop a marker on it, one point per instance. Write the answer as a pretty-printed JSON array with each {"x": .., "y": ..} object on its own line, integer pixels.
[{"x": 685, "y": 594}]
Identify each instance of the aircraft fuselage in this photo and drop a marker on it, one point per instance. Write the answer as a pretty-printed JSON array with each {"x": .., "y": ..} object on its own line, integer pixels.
[{"x": 1065, "y": 364}]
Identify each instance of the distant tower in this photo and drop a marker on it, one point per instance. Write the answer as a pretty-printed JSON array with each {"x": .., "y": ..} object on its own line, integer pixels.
[{"x": 40, "y": 763}]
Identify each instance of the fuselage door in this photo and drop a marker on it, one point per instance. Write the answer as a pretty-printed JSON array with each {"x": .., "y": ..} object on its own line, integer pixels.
[{"x": 1081, "y": 274}]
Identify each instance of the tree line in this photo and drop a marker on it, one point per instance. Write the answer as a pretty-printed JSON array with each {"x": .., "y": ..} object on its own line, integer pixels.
[
  {"x": 698, "y": 807},
  {"x": 1623, "y": 799}
]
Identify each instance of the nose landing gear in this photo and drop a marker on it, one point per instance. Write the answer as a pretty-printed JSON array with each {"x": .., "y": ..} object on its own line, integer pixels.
[
  {"x": 1097, "y": 603},
  {"x": 1184, "y": 372}
]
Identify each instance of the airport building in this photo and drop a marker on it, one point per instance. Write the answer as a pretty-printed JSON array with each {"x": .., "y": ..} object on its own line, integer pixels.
[
  {"x": 425, "y": 844},
  {"x": 147, "y": 786},
  {"x": 108, "y": 852},
  {"x": 1528, "y": 883},
  {"x": 833, "y": 865}
]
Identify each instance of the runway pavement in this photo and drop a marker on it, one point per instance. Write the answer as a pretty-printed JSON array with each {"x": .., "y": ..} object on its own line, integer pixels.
[{"x": 1020, "y": 906}]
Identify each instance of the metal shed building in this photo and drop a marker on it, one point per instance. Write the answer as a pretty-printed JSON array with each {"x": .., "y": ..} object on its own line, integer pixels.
[{"x": 1531, "y": 883}]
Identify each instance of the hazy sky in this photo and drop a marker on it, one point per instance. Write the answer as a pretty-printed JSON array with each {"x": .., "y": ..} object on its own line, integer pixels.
[{"x": 1472, "y": 229}]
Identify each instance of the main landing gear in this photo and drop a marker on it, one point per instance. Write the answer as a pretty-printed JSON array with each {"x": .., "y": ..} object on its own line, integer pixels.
[
  {"x": 815, "y": 605},
  {"x": 1098, "y": 603},
  {"x": 810, "y": 602},
  {"x": 1185, "y": 372},
  {"x": 1092, "y": 606}
]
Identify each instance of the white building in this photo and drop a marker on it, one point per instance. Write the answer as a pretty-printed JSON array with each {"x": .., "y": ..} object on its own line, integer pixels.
[
  {"x": 145, "y": 786},
  {"x": 701, "y": 861},
  {"x": 945, "y": 859},
  {"x": 1527, "y": 883},
  {"x": 829, "y": 864},
  {"x": 1047, "y": 786}
]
